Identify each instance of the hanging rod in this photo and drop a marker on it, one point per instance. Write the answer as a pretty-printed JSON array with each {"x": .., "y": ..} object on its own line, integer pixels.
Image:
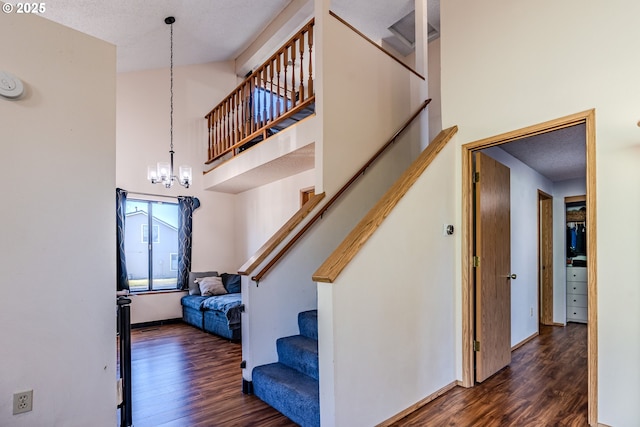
[{"x": 150, "y": 194}]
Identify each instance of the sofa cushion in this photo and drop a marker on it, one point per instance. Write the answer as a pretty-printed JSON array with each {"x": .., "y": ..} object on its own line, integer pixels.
[
  {"x": 193, "y": 301},
  {"x": 194, "y": 288},
  {"x": 211, "y": 286},
  {"x": 229, "y": 304},
  {"x": 231, "y": 282}
]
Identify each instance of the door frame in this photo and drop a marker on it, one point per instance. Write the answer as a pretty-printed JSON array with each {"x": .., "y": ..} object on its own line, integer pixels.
[
  {"x": 468, "y": 332},
  {"x": 545, "y": 290}
]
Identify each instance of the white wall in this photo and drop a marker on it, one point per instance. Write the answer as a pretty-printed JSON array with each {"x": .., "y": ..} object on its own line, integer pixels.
[
  {"x": 500, "y": 72},
  {"x": 260, "y": 212},
  {"x": 388, "y": 339},
  {"x": 349, "y": 136},
  {"x": 57, "y": 239},
  {"x": 562, "y": 189},
  {"x": 366, "y": 97},
  {"x": 525, "y": 183},
  {"x": 433, "y": 76},
  {"x": 143, "y": 140}
]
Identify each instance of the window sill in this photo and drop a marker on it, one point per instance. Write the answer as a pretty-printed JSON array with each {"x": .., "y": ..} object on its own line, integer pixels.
[{"x": 166, "y": 291}]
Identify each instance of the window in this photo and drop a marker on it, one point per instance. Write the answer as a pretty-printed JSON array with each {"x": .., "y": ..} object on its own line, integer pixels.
[
  {"x": 151, "y": 266},
  {"x": 145, "y": 233}
]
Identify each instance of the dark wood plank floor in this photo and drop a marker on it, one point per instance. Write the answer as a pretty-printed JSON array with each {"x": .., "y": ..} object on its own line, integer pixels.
[
  {"x": 545, "y": 385},
  {"x": 183, "y": 377}
]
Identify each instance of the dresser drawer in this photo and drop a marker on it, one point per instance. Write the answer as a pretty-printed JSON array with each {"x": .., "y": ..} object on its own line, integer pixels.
[
  {"x": 578, "y": 274},
  {"x": 576, "y": 300},
  {"x": 577, "y": 288},
  {"x": 578, "y": 314}
]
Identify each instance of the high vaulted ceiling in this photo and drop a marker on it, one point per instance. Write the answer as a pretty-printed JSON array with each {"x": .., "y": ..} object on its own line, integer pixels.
[
  {"x": 220, "y": 30},
  {"x": 205, "y": 30}
]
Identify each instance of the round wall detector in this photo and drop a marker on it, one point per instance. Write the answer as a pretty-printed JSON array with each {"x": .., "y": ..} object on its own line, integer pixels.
[{"x": 10, "y": 86}]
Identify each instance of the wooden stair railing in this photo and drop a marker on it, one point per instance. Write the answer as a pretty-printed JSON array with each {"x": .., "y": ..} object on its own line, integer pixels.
[
  {"x": 344, "y": 188},
  {"x": 350, "y": 246},
  {"x": 275, "y": 91}
]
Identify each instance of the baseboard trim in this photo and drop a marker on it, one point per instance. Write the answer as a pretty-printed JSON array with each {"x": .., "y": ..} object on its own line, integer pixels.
[
  {"x": 418, "y": 405},
  {"x": 247, "y": 387},
  {"x": 524, "y": 341},
  {"x": 156, "y": 323}
]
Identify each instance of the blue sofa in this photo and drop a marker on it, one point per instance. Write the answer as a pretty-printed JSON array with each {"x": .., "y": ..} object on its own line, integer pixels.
[{"x": 220, "y": 314}]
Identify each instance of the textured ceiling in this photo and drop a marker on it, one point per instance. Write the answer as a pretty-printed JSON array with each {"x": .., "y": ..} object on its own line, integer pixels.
[
  {"x": 557, "y": 155},
  {"x": 205, "y": 30}
]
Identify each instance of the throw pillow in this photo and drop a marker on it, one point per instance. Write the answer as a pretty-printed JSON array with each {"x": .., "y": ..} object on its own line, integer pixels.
[
  {"x": 194, "y": 289},
  {"x": 211, "y": 286},
  {"x": 231, "y": 282}
]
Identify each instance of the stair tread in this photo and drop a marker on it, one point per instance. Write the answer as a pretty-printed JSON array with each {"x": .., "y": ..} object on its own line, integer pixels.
[{"x": 291, "y": 392}]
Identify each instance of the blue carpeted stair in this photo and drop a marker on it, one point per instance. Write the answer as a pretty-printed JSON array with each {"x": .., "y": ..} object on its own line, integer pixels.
[{"x": 291, "y": 385}]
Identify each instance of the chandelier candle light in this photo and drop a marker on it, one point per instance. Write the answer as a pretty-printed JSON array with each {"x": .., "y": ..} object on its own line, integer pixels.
[{"x": 163, "y": 172}]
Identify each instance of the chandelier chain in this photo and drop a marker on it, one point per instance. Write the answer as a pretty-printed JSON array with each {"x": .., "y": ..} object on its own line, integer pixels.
[
  {"x": 171, "y": 89},
  {"x": 164, "y": 172}
]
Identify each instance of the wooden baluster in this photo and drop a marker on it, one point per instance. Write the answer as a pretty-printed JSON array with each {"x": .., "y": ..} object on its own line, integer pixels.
[
  {"x": 226, "y": 125},
  {"x": 231, "y": 119},
  {"x": 236, "y": 107},
  {"x": 310, "y": 41},
  {"x": 215, "y": 132},
  {"x": 222, "y": 142},
  {"x": 285, "y": 63},
  {"x": 278, "y": 97},
  {"x": 265, "y": 108},
  {"x": 210, "y": 140},
  {"x": 254, "y": 104},
  {"x": 293, "y": 73},
  {"x": 218, "y": 131},
  {"x": 243, "y": 111},
  {"x": 301, "y": 47},
  {"x": 271, "y": 95},
  {"x": 249, "y": 107}
]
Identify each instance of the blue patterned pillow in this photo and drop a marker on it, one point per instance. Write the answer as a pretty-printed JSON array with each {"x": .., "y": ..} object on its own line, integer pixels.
[{"x": 231, "y": 283}]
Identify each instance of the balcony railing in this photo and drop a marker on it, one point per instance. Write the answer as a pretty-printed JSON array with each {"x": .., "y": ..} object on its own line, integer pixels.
[{"x": 278, "y": 90}]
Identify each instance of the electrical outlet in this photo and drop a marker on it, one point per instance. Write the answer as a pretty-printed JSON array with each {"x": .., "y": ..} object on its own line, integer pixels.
[{"x": 22, "y": 402}]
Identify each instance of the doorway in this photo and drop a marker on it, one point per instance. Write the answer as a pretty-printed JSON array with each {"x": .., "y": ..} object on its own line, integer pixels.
[{"x": 468, "y": 300}]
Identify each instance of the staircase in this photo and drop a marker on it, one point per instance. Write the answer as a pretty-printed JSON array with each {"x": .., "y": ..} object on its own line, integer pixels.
[{"x": 291, "y": 385}]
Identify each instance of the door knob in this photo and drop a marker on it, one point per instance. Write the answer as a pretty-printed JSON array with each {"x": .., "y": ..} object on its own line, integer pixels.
[{"x": 512, "y": 276}]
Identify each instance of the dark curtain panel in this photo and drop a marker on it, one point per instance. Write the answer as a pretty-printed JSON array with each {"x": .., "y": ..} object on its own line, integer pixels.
[
  {"x": 186, "y": 206},
  {"x": 122, "y": 278}
]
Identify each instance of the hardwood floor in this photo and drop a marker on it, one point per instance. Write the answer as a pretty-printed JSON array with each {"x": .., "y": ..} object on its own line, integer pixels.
[
  {"x": 183, "y": 377},
  {"x": 545, "y": 385}
]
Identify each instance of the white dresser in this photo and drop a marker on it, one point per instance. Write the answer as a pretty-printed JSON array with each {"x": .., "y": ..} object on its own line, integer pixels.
[{"x": 577, "y": 294}]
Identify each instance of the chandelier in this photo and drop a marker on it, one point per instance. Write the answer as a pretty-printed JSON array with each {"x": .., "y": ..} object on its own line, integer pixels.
[{"x": 163, "y": 172}]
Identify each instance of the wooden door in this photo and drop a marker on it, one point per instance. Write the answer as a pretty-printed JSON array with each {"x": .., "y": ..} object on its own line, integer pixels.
[
  {"x": 546, "y": 259},
  {"x": 492, "y": 281}
]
